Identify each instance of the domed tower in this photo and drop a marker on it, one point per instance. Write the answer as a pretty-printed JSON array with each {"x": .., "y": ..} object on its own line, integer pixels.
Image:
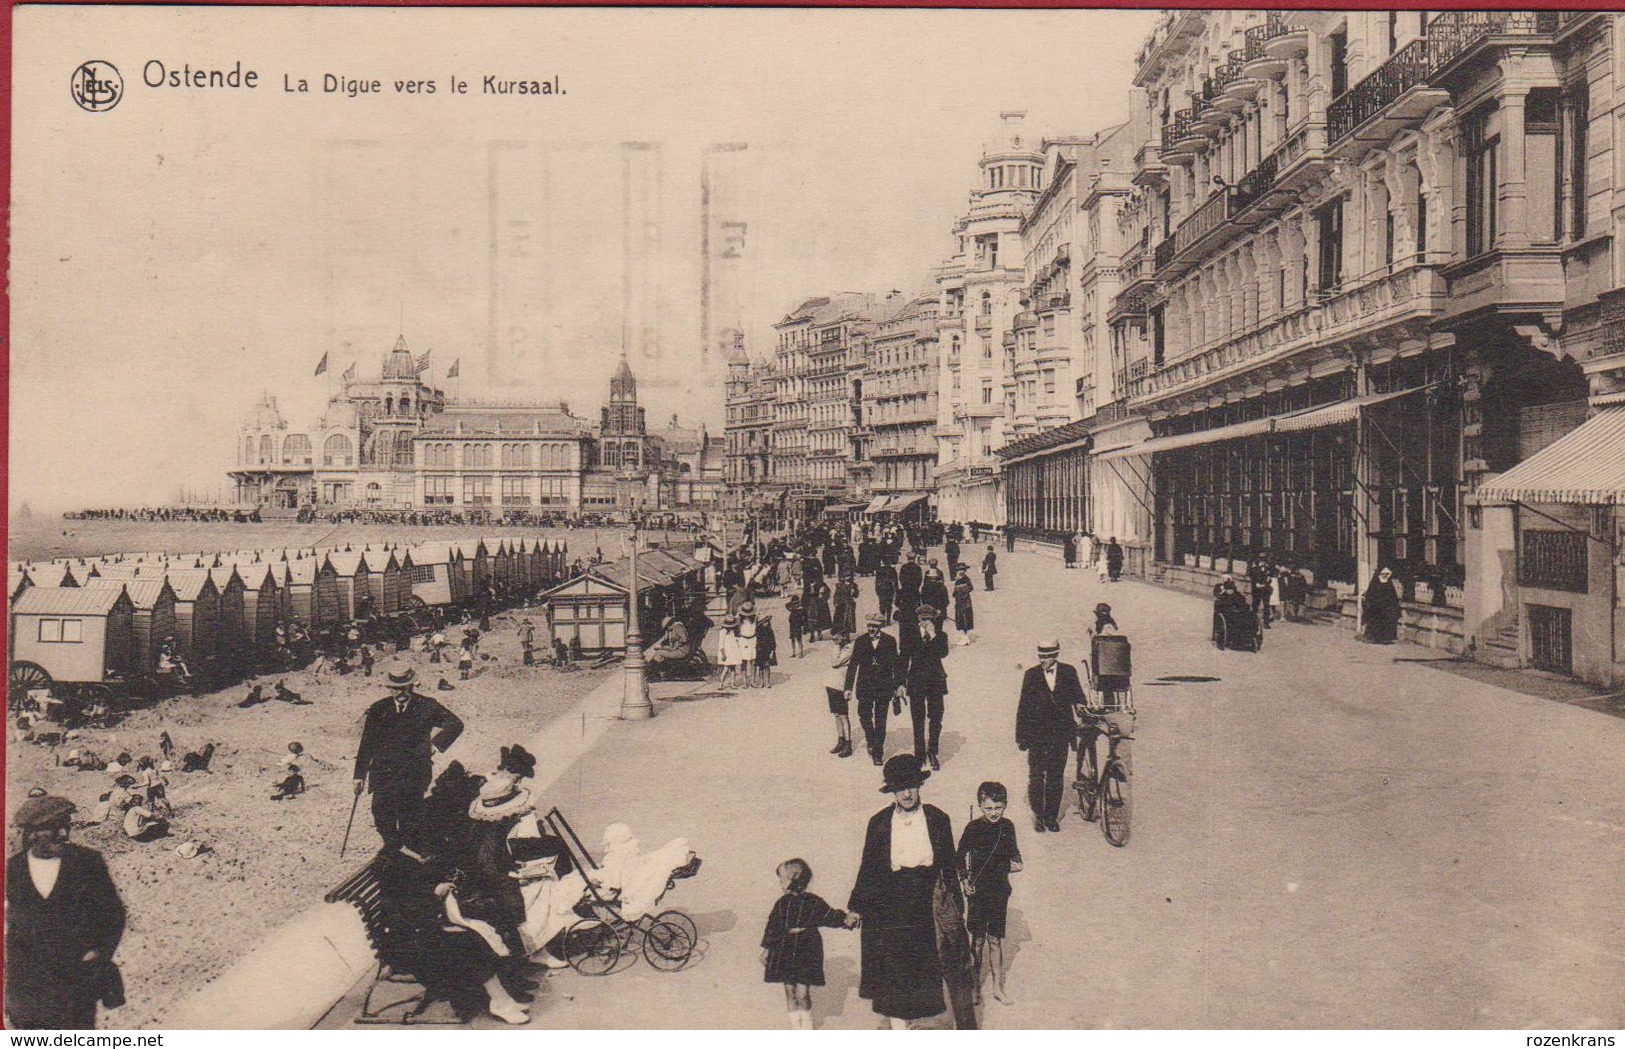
[{"x": 392, "y": 409}]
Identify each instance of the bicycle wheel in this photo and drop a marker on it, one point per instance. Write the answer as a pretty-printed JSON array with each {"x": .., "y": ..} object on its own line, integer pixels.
[
  {"x": 667, "y": 946},
  {"x": 592, "y": 947},
  {"x": 1114, "y": 804},
  {"x": 1088, "y": 782}
]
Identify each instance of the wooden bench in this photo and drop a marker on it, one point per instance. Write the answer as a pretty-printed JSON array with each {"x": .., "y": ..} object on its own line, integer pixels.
[{"x": 395, "y": 952}]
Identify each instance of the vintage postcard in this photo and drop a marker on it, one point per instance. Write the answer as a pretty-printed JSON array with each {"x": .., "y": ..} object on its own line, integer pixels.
[{"x": 616, "y": 518}]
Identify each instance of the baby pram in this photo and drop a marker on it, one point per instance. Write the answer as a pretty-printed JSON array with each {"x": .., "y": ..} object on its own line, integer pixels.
[{"x": 606, "y": 932}]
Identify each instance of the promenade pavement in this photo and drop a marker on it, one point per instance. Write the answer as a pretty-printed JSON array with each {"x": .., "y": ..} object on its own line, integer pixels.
[{"x": 1324, "y": 836}]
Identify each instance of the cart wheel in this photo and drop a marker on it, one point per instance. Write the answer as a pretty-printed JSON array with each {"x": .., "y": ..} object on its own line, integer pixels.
[
  {"x": 1114, "y": 805},
  {"x": 667, "y": 946},
  {"x": 592, "y": 947},
  {"x": 683, "y": 921},
  {"x": 26, "y": 676},
  {"x": 98, "y": 693}
]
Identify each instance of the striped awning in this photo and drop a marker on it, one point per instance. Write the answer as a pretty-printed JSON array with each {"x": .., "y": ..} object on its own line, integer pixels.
[
  {"x": 1336, "y": 414},
  {"x": 1251, "y": 428},
  {"x": 1585, "y": 465},
  {"x": 877, "y": 504}
]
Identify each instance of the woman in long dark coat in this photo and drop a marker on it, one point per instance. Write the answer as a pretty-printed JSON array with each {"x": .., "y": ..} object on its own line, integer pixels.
[
  {"x": 818, "y": 617},
  {"x": 845, "y": 618},
  {"x": 964, "y": 610},
  {"x": 1381, "y": 609},
  {"x": 902, "y": 971}
]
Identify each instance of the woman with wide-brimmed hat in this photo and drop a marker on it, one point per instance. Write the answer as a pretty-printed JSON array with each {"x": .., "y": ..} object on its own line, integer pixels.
[{"x": 906, "y": 886}]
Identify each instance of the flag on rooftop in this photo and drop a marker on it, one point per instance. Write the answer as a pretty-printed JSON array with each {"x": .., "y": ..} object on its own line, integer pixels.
[
  {"x": 349, "y": 373},
  {"x": 423, "y": 361},
  {"x": 321, "y": 365},
  {"x": 451, "y": 373}
]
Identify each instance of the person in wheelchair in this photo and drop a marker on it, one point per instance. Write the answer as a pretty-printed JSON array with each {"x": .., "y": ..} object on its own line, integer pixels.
[
  {"x": 674, "y": 645},
  {"x": 1230, "y": 606}
]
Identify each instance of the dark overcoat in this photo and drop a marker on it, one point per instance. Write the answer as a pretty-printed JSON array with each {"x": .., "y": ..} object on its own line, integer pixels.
[
  {"x": 872, "y": 670},
  {"x": 48, "y": 983},
  {"x": 1044, "y": 716},
  {"x": 901, "y": 970},
  {"x": 396, "y": 748}
]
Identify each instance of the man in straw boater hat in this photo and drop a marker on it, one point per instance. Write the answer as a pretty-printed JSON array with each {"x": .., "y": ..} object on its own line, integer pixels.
[
  {"x": 395, "y": 760},
  {"x": 1046, "y": 729},
  {"x": 64, "y": 919},
  {"x": 908, "y": 902}
]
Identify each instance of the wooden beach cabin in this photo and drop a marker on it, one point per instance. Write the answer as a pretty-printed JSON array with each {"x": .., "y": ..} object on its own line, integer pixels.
[
  {"x": 72, "y": 634},
  {"x": 435, "y": 577},
  {"x": 299, "y": 592},
  {"x": 197, "y": 611},
  {"x": 231, "y": 629},
  {"x": 349, "y": 570},
  {"x": 154, "y": 618},
  {"x": 262, "y": 603},
  {"x": 593, "y": 605},
  {"x": 384, "y": 581}
]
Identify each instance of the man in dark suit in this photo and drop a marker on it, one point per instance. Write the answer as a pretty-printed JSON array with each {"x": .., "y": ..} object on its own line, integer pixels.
[
  {"x": 1046, "y": 729},
  {"x": 872, "y": 678},
  {"x": 395, "y": 759},
  {"x": 926, "y": 682},
  {"x": 64, "y": 919},
  {"x": 990, "y": 568},
  {"x": 908, "y": 850}
]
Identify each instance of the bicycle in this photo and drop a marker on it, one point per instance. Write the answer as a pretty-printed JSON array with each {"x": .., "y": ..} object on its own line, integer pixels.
[
  {"x": 1103, "y": 789},
  {"x": 1109, "y": 704}
]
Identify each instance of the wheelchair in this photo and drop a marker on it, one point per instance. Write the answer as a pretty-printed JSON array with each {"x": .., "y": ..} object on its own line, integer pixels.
[{"x": 1237, "y": 627}]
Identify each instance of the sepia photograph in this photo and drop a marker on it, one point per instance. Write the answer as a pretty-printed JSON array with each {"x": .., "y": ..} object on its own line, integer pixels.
[{"x": 755, "y": 519}]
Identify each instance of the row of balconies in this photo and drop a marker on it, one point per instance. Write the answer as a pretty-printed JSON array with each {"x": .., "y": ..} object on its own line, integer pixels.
[
  {"x": 1361, "y": 309},
  {"x": 1449, "y": 36}
]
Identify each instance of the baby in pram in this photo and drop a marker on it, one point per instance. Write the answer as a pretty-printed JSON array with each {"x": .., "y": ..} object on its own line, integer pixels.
[{"x": 636, "y": 881}]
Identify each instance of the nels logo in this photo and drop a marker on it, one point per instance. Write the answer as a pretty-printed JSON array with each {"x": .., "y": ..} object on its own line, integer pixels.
[{"x": 96, "y": 86}]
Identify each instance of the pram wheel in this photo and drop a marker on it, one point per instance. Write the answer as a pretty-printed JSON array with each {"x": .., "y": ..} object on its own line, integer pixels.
[
  {"x": 592, "y": 947},
  {"x": 682, "y": 920},
  {"x": 667, "y": 946}
]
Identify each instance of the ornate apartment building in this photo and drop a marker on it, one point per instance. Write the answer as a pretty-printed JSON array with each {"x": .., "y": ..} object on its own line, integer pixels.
[
  {"x": 981, "y": 288},
  {"x": 817, "y": 451},
  {"x": 899, "y": 400},
  {"x": 1382, "y": 268},
  {"x": 750, "y": 402}
]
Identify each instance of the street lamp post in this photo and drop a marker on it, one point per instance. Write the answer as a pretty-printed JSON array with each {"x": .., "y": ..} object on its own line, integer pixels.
[{"x": 635, "y": 703}]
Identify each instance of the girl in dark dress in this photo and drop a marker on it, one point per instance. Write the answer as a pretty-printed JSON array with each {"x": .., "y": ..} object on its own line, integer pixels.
[
  {"x": 845, "y": 618},
  {"x": 818, "y": 617},
  {"x": 792, "y": 946}
]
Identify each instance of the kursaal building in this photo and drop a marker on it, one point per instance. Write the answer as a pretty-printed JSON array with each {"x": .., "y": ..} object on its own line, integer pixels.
[{"x": 398, "y": 443}]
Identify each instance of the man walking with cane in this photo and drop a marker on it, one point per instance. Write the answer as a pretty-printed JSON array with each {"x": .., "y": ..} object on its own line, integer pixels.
[{"x": 399, "y": 736}]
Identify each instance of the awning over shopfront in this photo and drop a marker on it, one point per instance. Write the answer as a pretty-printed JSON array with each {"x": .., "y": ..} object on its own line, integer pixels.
[
  {"x": 1585, "y": 465},
  {"x": 842, "y": 508},
  {"x": 899, "y": 503},
  {"x": 1325, "y": 415},
  {"x": 1250, "y": 428},
  {"x": 1335, "y": 414},
  {"x": 877, "y": 504}
]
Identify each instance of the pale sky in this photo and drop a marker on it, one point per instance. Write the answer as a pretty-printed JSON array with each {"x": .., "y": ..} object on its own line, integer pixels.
[{"x": 182, "y": 252}]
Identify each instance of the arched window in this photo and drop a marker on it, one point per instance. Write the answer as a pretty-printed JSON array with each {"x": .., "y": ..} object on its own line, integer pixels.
[
  {"x": 987, "y": 304},
  {"x": 375, "y": 493},
  {"x": 336, "y": 451},
  {"x": 267, "y": 453},
  {"x": 248, "y": 450},
  {"x": 296, "y": 449},
  {"x": 612, "y": 454},
  {"x": 406, "y": 404},
  {"x": 389, "y": 405}
]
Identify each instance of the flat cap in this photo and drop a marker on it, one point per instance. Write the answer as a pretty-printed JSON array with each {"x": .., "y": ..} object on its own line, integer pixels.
[{"x": 43, "y": 811}]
